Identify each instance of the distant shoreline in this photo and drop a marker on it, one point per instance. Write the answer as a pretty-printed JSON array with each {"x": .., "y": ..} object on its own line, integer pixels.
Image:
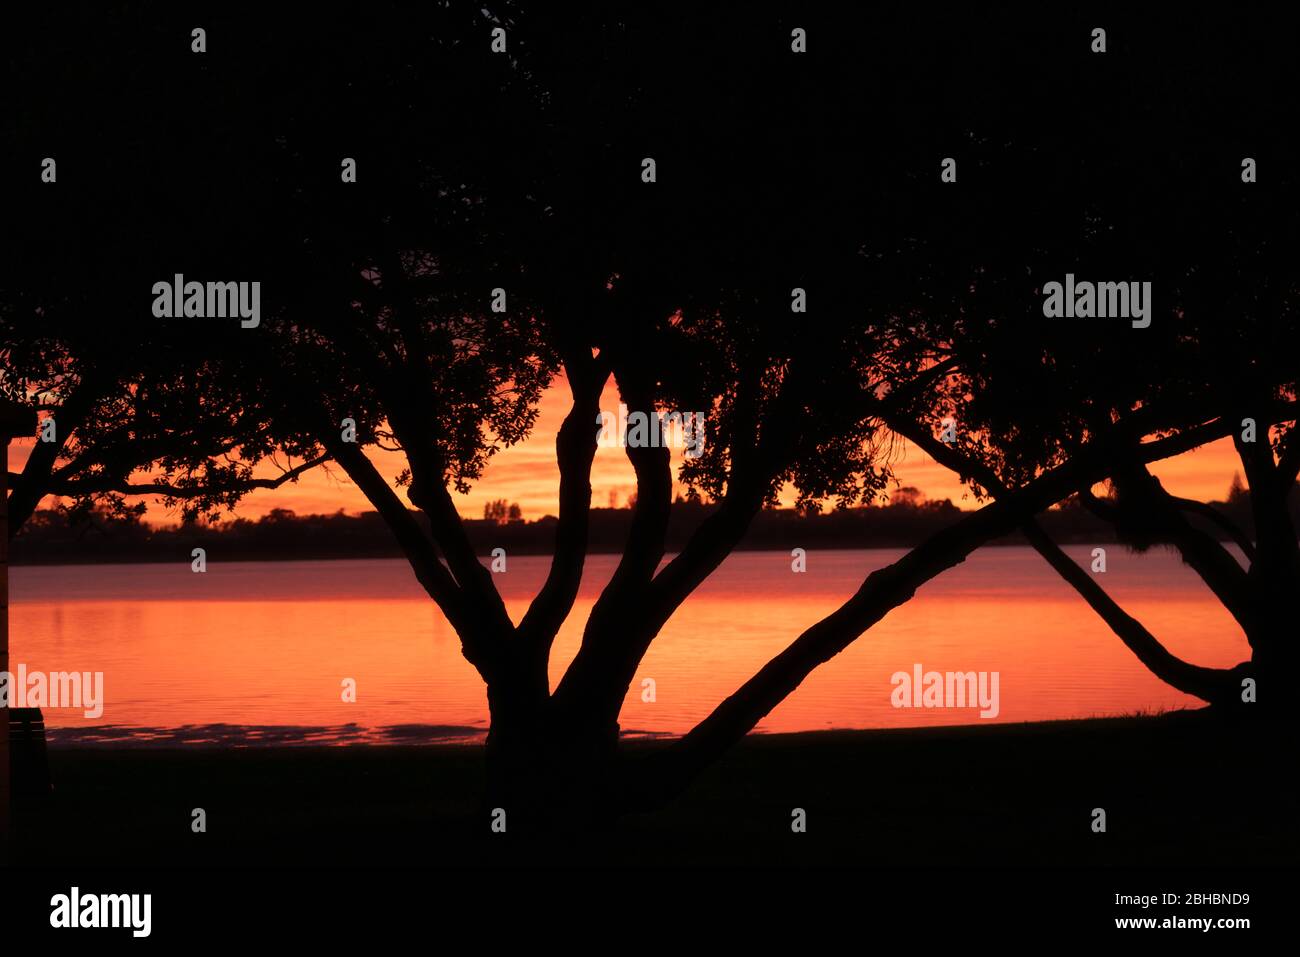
[
  {"x": 49, "y": 539},
  {"x": 158, "y": 558}
]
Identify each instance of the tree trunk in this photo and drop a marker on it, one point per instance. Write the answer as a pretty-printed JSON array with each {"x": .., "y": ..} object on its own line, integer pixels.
[
  {"x": 549, "y": 772},
  {"x": 1275, "y": 645},
  {"x": 1272, "y": 587}
]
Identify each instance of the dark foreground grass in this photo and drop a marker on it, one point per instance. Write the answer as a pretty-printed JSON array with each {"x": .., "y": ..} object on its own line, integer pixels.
[{"x": 1185, "y": 789}]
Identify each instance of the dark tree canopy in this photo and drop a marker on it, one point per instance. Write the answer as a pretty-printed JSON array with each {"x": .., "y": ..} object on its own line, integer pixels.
[{"x": 502, "y": 232}]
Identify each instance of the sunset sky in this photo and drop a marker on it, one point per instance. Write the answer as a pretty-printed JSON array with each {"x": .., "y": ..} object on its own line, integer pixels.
[{"x": 527, "y": 474}]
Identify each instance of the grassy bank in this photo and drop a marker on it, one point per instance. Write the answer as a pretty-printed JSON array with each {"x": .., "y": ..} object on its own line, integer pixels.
[{"x": 1183, "y": 789}]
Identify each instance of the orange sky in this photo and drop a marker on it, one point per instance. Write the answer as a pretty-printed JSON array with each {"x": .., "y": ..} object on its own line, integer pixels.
[{"x": 527, "y": 474}]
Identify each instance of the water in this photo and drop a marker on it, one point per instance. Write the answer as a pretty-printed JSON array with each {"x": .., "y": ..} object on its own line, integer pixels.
[{"x": 256, "y": 652}]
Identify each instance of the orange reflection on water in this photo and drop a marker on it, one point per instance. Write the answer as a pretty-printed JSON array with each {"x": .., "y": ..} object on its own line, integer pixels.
[{"x": 269, "y": 644}]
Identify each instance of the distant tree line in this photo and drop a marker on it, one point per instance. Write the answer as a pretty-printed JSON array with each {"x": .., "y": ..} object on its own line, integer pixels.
[{"x": 71, "y": 537}]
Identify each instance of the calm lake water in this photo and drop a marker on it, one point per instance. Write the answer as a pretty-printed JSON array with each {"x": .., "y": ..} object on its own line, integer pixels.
[{"x": 255, "y": 652}]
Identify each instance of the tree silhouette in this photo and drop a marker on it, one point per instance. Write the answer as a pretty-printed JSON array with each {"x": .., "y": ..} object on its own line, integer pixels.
[
  {"x": 141, "y": 405},
  {"x": 1028, "y": 391},
  {"x": 130, "y": 418},
  {"x": 504, "y": 235}
]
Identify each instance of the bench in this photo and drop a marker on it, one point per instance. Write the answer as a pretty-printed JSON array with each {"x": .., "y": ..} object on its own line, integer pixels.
[{"x": 28, "y": 760}]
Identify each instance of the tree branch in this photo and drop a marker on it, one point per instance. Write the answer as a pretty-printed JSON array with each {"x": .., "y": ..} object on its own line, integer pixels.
[
  {"x": 420, "y": 553},
  {"x": 33, "y": 483},
  {"x": 84, "y": 486},
  {"x": 654, "y": 488},
  {"x": 575, "y": 449},
  {"x": 1209, "y": 684},
  {"x": 882, "y": 591},
  {"x": 1288, "y": 462},
  {"x": 1223, "y": 521},
  {"x": 1218, "y": 568}
]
